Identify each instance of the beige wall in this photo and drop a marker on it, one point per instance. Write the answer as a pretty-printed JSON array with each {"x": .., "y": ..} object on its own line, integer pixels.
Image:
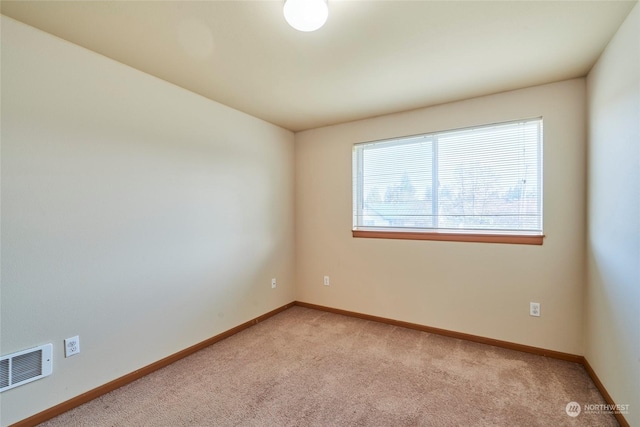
[
  {"x": 476, "y": 288},
  {"x": 613, "y": 250},
  {"x": 135, "y": 214}
]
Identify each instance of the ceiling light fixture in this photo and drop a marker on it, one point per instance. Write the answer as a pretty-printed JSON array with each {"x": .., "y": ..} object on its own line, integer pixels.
[{"x": 306, "y": 15}]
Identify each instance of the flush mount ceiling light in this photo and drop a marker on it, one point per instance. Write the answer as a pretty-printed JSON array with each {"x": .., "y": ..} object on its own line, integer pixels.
[{"x": 306, "y": 15}]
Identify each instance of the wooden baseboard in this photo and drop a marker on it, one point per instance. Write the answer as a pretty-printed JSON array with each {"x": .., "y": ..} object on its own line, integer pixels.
[
  {"x": 128, "y": 378},
  {"x": 603, "y": 391},
  {"x": 459, "y": 335}
]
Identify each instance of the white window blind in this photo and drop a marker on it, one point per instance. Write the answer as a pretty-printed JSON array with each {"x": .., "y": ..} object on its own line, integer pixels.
[{"x": 484, "y": 180}]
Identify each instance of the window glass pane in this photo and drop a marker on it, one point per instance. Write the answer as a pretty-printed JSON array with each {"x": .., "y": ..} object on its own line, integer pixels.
[
  {"x": 483, "y": 179},
  {"x": 397, "y": 185},
  {"x": 488, "y": 178}
]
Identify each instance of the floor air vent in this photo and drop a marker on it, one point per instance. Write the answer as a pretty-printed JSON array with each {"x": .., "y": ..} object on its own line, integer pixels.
[{"x": 25, "y": 366}]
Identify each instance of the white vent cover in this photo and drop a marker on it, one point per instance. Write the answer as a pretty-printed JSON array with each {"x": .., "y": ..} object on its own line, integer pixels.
[{"x": 25, "y": 366}]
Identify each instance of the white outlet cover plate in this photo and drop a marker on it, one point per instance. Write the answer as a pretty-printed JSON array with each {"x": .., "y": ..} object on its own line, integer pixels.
[
  {"x": 326, "y": 280},
  {"x": 71, "y": 346},
  {"x": 273, "y": 283},
  {"x": 534, "y": 309}
]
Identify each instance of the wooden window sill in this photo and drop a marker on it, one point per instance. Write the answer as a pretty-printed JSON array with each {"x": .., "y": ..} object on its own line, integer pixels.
[{"x": 452, "y": 237}]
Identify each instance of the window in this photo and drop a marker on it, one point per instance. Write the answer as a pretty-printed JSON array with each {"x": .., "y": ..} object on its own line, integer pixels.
[{"x": 476, "y": 184}]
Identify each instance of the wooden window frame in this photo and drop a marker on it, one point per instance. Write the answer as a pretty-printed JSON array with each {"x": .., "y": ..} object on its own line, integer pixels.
[{"x": 452, "y": 237}]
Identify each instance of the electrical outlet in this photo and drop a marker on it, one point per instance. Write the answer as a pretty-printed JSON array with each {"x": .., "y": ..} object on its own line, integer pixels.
[
  {"x": 534, "y": 309},
  {"x": 273, "y": 283},
  {"x": 71, "y": 346},
  {"x": 326, "y": 280}
]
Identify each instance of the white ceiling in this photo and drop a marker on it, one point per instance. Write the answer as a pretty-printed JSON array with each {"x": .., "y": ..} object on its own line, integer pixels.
[{"x": 371, "y": 58}]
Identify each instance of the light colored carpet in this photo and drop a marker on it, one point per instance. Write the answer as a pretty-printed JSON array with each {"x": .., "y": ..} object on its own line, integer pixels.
[{"x": 304, "y": 367}]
